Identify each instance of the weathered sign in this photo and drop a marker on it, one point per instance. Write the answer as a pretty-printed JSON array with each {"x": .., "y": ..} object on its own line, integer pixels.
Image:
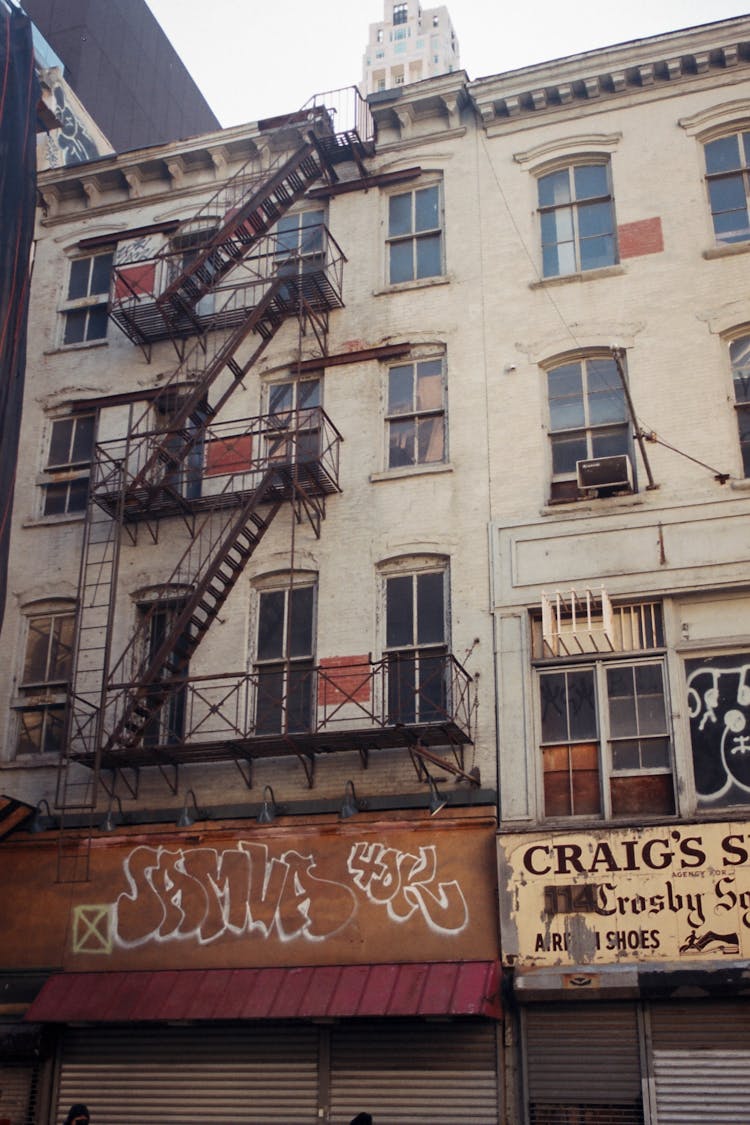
[{"x": 633, "y": 894}]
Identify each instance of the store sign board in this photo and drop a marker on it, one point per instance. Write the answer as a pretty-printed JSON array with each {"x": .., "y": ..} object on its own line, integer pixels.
[
  {"x": 629, "y": 895},
  {"x": 367, "y": 894}
]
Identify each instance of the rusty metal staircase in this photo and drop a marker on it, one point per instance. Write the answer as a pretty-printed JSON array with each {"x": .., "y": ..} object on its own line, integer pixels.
[{"x": 113, "y": 704}]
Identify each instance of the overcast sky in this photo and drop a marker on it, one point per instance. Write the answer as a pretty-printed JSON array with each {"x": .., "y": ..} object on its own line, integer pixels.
[{"x": 254, "y": 59}]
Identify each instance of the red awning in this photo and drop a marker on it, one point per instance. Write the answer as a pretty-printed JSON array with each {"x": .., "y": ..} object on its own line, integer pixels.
[{"x": 449, "y": 988}]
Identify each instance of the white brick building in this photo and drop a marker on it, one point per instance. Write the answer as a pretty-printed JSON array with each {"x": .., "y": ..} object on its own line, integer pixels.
[{"x": 495, "y": 363}]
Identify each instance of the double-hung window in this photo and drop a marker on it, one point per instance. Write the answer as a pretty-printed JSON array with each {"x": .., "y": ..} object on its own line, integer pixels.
[
  {"x": 739, "y": 352},
  {"x": 44, "y": 683},
  {"x": 577, "y": 219},
  {"x": 85, "y": 307},
  {"x": 588, "y": 418},
  {"x": 67, "y": 470},
  {"x": 294, "y": 419},
  {"x": 284, "y": 663},
  {"x": 299, "y": 240},
  {"x": 604, "y": 716},
  {"x": 728, "y": 178},
  {"x": 416, "y": 413},
  {"x": 416, "y": 646},
  {"x": 415, "y": 239}
]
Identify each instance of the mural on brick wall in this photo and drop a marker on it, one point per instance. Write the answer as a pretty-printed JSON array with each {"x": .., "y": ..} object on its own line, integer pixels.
[{"x": 719, "y": 707}]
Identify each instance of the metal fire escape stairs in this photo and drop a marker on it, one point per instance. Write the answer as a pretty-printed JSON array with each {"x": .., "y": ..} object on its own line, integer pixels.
[{"x": 113, "y": 704}]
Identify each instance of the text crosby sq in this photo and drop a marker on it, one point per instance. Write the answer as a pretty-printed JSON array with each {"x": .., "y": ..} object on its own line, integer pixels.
[{"x": 204, "y": 894}]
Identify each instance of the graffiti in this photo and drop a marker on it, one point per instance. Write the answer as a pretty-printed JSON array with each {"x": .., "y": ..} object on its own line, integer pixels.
[
  {"x": 719, "y": 708},
  {"x": 92, "y": 929},
  {"x": 405, "y": 883},
  {"x": 71, "y": 143},
  {"x": 203, "y": 894}
]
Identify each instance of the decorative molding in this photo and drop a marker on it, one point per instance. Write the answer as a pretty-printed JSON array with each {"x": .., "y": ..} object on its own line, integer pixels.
[{"x": 562, "y": 146}]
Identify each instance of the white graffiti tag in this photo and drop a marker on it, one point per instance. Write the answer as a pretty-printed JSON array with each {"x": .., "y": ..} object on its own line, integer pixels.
[
  {"x": 404, "y": 883},
  {"x": 203, "y": 894}
]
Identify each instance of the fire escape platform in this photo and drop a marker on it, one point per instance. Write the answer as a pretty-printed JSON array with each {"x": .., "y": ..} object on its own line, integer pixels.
[{"x": 396, "y": 737}]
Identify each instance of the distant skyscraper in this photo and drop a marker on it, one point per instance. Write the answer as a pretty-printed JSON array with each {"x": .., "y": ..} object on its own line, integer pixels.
[{"x": 410, "y": 43}]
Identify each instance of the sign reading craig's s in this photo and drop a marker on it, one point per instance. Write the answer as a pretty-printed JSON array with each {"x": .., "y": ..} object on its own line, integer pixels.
[{"x": 661, "y": 894}]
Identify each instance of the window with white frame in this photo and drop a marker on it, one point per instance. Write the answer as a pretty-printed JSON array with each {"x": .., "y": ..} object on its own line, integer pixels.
[
  {"x": 68, "y": 465},
  {"x": 299, "y": 237},
  {"x": 576, "y": 210},
  {"x": 85, "y": 307},
  {"x": 588, "y": 418},
  {"x": 739, "y": 352},
  {"x": 728, "y": 180},
  {"x": 415, "y": 417},
  {"x": 44, "y": 682},
  {"x": 604, "y": 721},
  {"x": 285, "y": 658},
  {"x": 416, "y": 647},
  {"x": 415, "y": 236}
]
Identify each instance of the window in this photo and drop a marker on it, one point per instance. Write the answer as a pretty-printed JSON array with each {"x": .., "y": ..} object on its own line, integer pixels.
[
  {"x": 85, "y": 309},
  {"x": 727, "y": 175},
  {"x": 414, "y": 235},
  {"x": 577, "y": 218},
  {"x": 739, "y": 352},
  {"x": 400, "y": 13},
  {"x": 379, "y": 35},
  {"x": 294, "y": 409},
  {"x": 416, "y": 646},
  {"x": 416, "y": 413},
  {"x": 68, "y": 465},
  {"x": 166, "y": 727},
  {"x": 299, "y": 239},
  {"x": 183, "y": 471},
  {"x": 285, "y": 660},
  {"x": 588, "y": 418},
  {"x": 44, "y": 683},
  {"x": 605, "y": 742}
]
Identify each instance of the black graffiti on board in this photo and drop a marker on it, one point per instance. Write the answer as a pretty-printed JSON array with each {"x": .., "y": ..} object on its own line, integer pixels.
[{"x": 719, "y": 708}]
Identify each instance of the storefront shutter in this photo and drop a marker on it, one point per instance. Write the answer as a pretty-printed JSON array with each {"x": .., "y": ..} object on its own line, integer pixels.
[
  {"x": 255, "y": 1076},
  {"x": 16, "y": 1084},
  {"x": 415, "y": 1073},
  {"x": 701, "y": 1062},
  {"x": 582, "y": 1064}
]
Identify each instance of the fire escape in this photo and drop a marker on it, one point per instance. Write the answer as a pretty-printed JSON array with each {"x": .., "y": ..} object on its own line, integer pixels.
[{"x": 220, "y": 291}]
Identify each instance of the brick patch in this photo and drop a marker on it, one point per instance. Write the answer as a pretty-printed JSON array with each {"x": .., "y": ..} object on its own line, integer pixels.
[
  {"x": 642, "y": 237},
  {"x": 343, "y": 678}
]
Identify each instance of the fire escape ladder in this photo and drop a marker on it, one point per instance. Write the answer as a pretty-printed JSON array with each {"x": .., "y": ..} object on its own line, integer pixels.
[
  {"x": 77, "y": 790},
  {"x": 159, "y": 674}
]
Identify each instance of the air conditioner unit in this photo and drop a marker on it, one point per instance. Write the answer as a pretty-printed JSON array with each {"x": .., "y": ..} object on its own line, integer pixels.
[{"x": 608, "y": 473}]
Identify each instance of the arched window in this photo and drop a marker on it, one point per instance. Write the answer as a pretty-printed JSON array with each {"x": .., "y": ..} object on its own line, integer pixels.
[
  {"x": 576, "y": 209},
  {"x": 728, "y": 178}
]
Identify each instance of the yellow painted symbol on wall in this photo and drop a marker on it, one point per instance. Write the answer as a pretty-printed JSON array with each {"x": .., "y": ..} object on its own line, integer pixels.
[{"x": 92, "y": 929}]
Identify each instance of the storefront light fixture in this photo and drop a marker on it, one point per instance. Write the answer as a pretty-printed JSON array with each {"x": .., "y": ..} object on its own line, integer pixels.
[
  {"x": 113, "y": 817},
  {"x": 37, "y": 824},
  {"x": 189, "y": 816},
  {"x": 350, "y": 805},
  {"x": 267, "y": 814}
]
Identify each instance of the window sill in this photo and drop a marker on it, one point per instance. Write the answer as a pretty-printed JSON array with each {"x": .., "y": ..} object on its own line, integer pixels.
[
  {"x": 410, "y": 471},
  {"x": 406, "y": 286},
  {"x": 31, "y": 761},
  {"x": 600, "y": 504},
  {"x": 82, "y": 346},
  {"x": 584, "y": 275},
  {"x": 741, "y": 484},
  {"x": 53, "y": 521},
  {"x": 727, "y": 251}
]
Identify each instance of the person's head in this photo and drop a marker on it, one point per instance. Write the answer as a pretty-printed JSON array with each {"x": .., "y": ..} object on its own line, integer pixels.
[
  {"x": 78, "y": 1114},
  {"x": 362, "y": 1119}
]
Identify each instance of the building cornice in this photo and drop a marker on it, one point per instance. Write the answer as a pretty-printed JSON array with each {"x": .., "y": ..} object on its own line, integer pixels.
[{"x": 593, "y": 77}]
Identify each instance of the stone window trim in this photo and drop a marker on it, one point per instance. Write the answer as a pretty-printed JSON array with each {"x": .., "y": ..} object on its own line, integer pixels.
[{"x": 83, "y": 308}]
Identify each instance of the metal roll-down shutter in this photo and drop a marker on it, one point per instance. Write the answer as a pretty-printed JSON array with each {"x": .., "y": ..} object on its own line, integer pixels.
[
  {"x": 582, "y": 1063},
  {"x": 16, "y": 1085},
  {"x": 407, "y": 1072},
  {"x": 225, "y": 1076},
  {"x": 701, "y": 1051}
]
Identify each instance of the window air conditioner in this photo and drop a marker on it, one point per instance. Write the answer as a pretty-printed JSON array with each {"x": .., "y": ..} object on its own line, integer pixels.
[{"x": 605, "y": 473}]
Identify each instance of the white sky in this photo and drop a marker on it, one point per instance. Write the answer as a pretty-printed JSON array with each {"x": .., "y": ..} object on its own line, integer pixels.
[{"x": 258, "y": 58}]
